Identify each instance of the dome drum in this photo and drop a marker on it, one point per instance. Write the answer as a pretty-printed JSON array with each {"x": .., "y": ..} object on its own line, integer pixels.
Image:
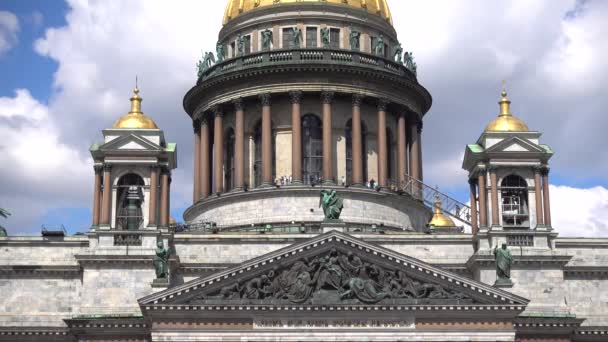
[{"x": 301, "y": 205}]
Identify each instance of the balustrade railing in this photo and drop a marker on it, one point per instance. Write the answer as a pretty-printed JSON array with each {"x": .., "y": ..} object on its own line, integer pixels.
[{"x": 312, "y": 55}]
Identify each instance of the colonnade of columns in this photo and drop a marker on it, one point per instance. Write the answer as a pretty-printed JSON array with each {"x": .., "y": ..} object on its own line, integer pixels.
[
  {"x": 406, "y": 132},
  {"x": 478, "y": 191},
  {"x": 102, "y": 196}
]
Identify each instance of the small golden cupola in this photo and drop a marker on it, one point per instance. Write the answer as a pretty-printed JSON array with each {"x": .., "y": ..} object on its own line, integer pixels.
[
  {"x": 135, "y": 119},
  {"x": 439, "y": 219},
  {"x": 506, "y": 122}
]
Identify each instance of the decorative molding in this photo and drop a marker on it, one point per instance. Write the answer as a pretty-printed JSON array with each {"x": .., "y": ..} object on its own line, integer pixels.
[
  {"x": 217, "y": 111},
  {"x": 383, "y": 104},
  {"x": 358, "y": 99},
  {"x": 239, "y": 104},
  {"x": 97, "y": 168}
]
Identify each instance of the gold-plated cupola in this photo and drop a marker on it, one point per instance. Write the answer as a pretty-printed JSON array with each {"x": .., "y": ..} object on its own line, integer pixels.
[
  {"x": 506, "y": 121},
  {"x": 439, "y": 219},
  {"x": 135, "y": 119}
]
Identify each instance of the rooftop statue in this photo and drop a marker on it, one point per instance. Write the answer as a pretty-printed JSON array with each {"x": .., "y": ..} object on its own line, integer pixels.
[
  {"x": 379, "y": 47},
  {"x": 266, "y": 39},
  {"x": 354, "y": 38},
  {"x": 240, "y": 44},
  {"x": 297, "y": 36},
  {"x": 219, "y": 50},
  {"x": 398, "y": 55},
  {"x": 504, "y": 259},
  {"x": 331, "y": 203},
  {"x": 5, "y": 214},
  {"x": 161, "y": 260},
  {"x": 204, "y": 64},
  {"x": 409, "y": 62},
  {"x": 325, "y": 36}
]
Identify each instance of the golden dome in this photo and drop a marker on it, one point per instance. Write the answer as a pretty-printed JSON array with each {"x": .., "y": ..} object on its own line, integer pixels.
[
  {"x": 439, "y": 219},
  {"x": 135, "y": 119},
  {"x": 237, "y": 7},
  {"x": 171, "y": 220},
  {"x": 506, "y": 122}
]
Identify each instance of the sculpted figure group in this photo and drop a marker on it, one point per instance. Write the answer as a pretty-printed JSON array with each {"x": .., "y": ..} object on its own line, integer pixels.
[{"x": 335, "y": 276}]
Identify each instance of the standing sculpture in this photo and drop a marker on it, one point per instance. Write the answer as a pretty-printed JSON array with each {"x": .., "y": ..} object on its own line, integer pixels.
[
  {"x": 5, "y": 214},
  {"x": 398, "y": 55},
  {"x": 205, "y": 63},
  {"x": 504, "y": 259},
  {"x": 409, "y": 62},
  {"x": 325, "y": 37},
  {"x": 379, "y": 47},
  {"x": 297, "y": 36},
  {"x": 354, "y": 38},
  {"x": 266, "y": 39},
  {"x": 240, "y": 44},
  {"x": 219, "y": 50},
  {"x": 161, "y": 261},
  {"x": 331, "y": 203}
]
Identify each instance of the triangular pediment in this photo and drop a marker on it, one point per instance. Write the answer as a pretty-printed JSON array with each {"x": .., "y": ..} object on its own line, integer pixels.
[
  {"x": 515, "y": 144},
  {"x": 333, "y": 269},
  {"x": 130, "y": 142}
]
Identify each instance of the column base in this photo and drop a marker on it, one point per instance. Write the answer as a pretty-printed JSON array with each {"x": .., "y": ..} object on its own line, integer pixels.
[{"x": 104, "y": 227}]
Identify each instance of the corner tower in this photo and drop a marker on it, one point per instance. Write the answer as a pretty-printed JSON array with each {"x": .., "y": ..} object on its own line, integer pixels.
[
  {"x": 508, "y": 173},
  {"x": 132, "y": 173},
  {"x": 301, "y": 94}
]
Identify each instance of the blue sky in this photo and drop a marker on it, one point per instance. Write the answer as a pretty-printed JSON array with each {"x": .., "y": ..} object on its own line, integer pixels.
[{"x": 63, "y": 80}]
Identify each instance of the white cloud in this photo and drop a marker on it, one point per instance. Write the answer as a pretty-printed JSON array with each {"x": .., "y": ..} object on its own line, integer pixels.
[
  {"x": 38, "y": 171},
  {"x": 579, "y": 212},
  {"x": 9, "y": 26}
]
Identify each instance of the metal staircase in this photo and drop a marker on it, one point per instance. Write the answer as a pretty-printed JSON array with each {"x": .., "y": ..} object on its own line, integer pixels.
[{"x": 430, "y": 195}]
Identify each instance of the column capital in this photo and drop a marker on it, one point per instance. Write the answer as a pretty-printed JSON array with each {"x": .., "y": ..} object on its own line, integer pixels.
[
  {"x": 217, "y": 111},
  {"x": 544, "y": 170},
  {"x": 327, "y": 96},
  {"x": 154, "y": 167},
  {"x": 419, "y": 126},
  {"x": 472, "y": 181},
  {"x": 382, "y": 104},
  {"x": 107, "y": 167},
  {"x": 492, "y": 168},
  {"x": 358, "y": 99},
  {"x": 97, "y": 168},
  {"x": 265, "y": 99},
  {"x": 238, "y": 104},
  {"x": 295, "y": 96},
  {"x": 196, "y": 126}
]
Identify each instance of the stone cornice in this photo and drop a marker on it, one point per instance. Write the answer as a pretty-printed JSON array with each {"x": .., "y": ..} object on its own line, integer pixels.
[
  {"x": 581, "y": 243},
  {"x": 40, "y": 269},
  {"x": 27, "y": 333},
  {"x": 546, "y": 325},
  {"x": 485, "y": 260}
]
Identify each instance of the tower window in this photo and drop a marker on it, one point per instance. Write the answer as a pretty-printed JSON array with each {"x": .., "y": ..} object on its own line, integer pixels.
[
  {"x": 311, "y": 37},
  {"x": 312, "y": 148},
  {"x": 288, "y": 38},
  {"x": 514, "y": 193},
  {"x": 229, "y": 160},
  {"x": 247, "y": 44},
  {"x": 334, "y": 38},
  {"x": 257, "y": 165},
  {"x": 130, "y": 197}
]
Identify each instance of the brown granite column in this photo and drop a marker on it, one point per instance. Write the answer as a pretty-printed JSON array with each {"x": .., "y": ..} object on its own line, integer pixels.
[
  {"x": 420, "y": 163},
  {"x": 415, "y": 159},
  {"x": 328, "y": 173},
  {"x": 266, "y": 141},
  {"x": 296, "y": 137},
  {"x": 239, "y": 145},
  {"x": 106, "y": 205},
  {"x": 357, "y": 142},
  {"x": 494, "y": 196},
  {"x": 153, "y": 209},
  {"x": 164, "y": 198},
  {"x": 538, "y": 197},
  {"x": 218, "y": 151},
  {"x": 401, "y": 151},
  {"x": 483, "y": 198},
  {"x": 197, "y": 161},
  {"x": 547, "y": 205},
  {"x": 473, "y": 193},
  {"x": 382, "y": 148},
  {"x": 97, "y": 195},
  {"x": 205, "y": 167}
]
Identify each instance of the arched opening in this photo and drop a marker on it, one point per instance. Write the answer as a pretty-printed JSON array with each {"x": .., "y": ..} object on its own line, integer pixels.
[
  {"x": 229, "y": 160},
  {"x": 257, "y": 164},
  {"x": 514, "y": 193},
  {"x": 312, "y": 149},
  {"x": 348, "y": 133},
  {"x": 130, "y": 197}
]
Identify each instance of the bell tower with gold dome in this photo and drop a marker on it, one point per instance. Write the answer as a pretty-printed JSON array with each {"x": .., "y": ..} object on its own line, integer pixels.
[
  {"x": 132, "y": 173},
  {"x": 508, "y": 175}
]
